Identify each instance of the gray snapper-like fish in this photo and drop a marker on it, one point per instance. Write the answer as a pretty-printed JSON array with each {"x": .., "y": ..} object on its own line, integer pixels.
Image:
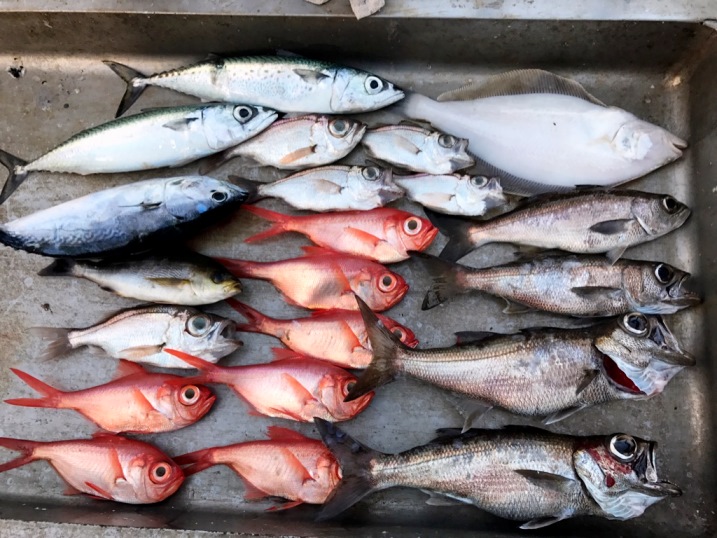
[
  {"x": 583, "y": 286},
  {"x": 583, "y": 222},
  {"x": 141, "y": 335},
  {"x": 295, "y": 144},
  {"x": 156, "y": 138},
  {"x": 288, "y": 84},
  {"x": 181, "y": 279},
  {"x": 417, "y": 149},
  {"x": 523, "y": 474},
  {"x": 546, "y": 373},
  {"x": 126, "y": 218}
]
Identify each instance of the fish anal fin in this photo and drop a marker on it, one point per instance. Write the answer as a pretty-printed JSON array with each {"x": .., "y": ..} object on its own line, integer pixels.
[
  {"x": 284, "y": 506},
  {"x": 127, "y": 368},
  {"x": 588, "y": 378},
  {"x": 465, "y": 338},
  {"x": 282, "y": 353},
  {"x": 436, "y": 499},
  {"x": 562, "y": 414},
  {"x": 277, "y": 433},
  {"x": 251, "y": 492},
  {"x": 540, "y": 522},
  {"x": 471, "y": 410},
  {"x": 71, "y": 490}
]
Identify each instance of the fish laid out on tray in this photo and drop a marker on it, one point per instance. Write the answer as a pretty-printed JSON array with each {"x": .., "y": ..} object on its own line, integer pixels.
[
  {"x": 180, "y": 278},
  {"x": 470, "y": 196},
  {"x": 108, "y": 467},
  {"x": 324, "y": 280},
  {"x": 289, "y": 84},
  {"x": 156, "y": 138},
  {"x": 417, "y": 149},
  {"x": 336, "y": 336},
  {"x": 137, "y": 401},
  {"x": 141, "y": 335},
  {"x": 330, "y": 188},
  {"x": 125, "y": 218},
  {"x": 287, "y": 465},
  {"x": 540, "y": 132},
  {"x": 385, "y": 235},
  {"x": 295, "y": 389},
  {"x": 295, "y": 143},
  {"x": 583, "y": 222},
  {"x": 585, "y": 286},
  {"x": 523, "y": 474},
  {"x": 550, "y": 373}
]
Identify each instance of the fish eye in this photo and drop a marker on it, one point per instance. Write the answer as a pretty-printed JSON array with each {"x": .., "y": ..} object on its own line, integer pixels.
[
  {"x": 670, "y": 204},
  {"x": 479, "y": 181},
  {"x": 219, "y": 196},
  {"x": 447, "y": 141},
  {"x": 218, "y": 277},
  {"x": 664, "y": 273},
  {"x": 198, "y": 325},
  {"x": 338, "y": 127},
  {"x": 623, "y": 447},
  {"x": 350, "y": 385},
  {"x": 371, "y": 173},
  {"x": 243, "y": 112},
  {"x": 636, "y": 324},
  {"x": 387, "y": 282},
  {"x": 398, "y": 333},
  {"x": 412, "y": 225},
  {"x": 160, "y": 472},
  {"x": 373, "y": 85},
  {"x": 189, "y": 395}
]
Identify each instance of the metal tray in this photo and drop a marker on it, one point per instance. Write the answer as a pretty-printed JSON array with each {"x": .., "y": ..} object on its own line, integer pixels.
[{"x": 665, "y": 72}]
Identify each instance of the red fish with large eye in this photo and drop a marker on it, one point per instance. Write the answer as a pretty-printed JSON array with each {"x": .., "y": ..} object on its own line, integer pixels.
[
  {"x": 137, "y": 401},
  {"x": 384, "y": 235},
  {"x": 296, "y": 389},
  {"x": 324, "y": 279},
  {"x": 336, "y": 336},
  {"x": 108, "y": 466},
  {"x": 287, "y": 465}
]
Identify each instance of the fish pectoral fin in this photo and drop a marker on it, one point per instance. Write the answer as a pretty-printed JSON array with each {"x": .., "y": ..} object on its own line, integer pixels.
[
  {"x": 169, "y": 281},
  {"x": 101, "y": 493},
  {"x": 594, "y": 292},
  {"x": 562, "y": 414},
  {"x": 323, "y": 186},
  {"x": 183, "y": 124},
  {"x": 540, "y": 522},
  {"x": 520, "y": 82},
  {"x": 363, "y": 237},
  {"x": 588, "y": 378},
  {"x": 615, "y": 254},
  {"x": 407, "y": 145},
  {"x": 611, "y": 227},
  {"x": 551, "y": 481},
  {"x": 512, "y": 307},
  {"x": 436, "y": 499},
  {"x": 310, "y": 75},
  {"x": 298, "y": 154},
  {"x": 466, "y": 338},
  {"x": 139, "y": 352},
  {"x": 142, "y": 401},
  {"x": 299, "y": 391},
  {"x": 296, "y": 466}
]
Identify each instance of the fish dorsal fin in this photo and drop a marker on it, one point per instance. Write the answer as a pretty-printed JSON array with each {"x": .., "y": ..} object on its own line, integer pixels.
[
  {"x": 313, "y": 250},
  {"x": 277, "y": 433},
  {"x": 126, "y": 368},
  {"x": 282, "y": 353},
  {"x": 520, "y": 82}
]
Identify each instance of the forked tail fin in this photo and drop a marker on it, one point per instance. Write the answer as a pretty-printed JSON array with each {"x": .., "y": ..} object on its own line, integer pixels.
[
  {"x": 135, "y": 85},
  {"x": 26, "y": 448},
  {"x": 52, "y": 396},
  {"x": 14, "y": 178}
]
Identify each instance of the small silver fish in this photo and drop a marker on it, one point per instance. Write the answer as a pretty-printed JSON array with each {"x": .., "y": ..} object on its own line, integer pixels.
[
  {"x": 186, "y": 279},
  {"x": 583, "y": 222},
  {"x": 470, "y": 196},
  {"x": 156, "y": 138},
  {"x": 332, "y": 188},
  {"x": 588, "y": 286},
  {"x": 125, "y": 218},
  {"x": 418, "y": 149},
  {"x": 546, "y": 373},
  {"x": 296, "y": 143},
  {"x": 523, "y": 474},
  {"x": 141, "y": 335},
  {"x": 288, "y": 84}
]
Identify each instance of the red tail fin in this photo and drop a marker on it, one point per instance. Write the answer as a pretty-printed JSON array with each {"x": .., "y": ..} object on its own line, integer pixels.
[
  {"x": 20, "y": 445},
  {"x": 242, "y": 268},
  {"x": 256, "y": 321},
  {"x": 197, "y": 461},
  {"x": 279, "y": 219},
  {"x": 52, "y": 395},
  {"x": 211, "y": 371}
]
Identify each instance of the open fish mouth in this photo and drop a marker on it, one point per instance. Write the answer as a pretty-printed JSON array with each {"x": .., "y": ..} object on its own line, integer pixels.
[
  {"x": 681, "y": 297},
  {"x": 207, "y": 405},
  {"x": 655, "y": 488}
]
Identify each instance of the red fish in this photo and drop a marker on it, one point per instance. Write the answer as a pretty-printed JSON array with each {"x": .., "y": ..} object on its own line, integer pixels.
[
  {"x": 384, "y": 234},
  {"x": 324, "y": 279},
  {"x": 288, "y": 465},
  {"x": 337, "y": 336},
  {"x": 107, "y": 467},
  {"x": 137, "y": 401},
  {"x": 296, "y": 389}
]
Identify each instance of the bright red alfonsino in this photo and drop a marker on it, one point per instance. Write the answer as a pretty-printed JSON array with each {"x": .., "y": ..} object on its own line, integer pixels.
[
  {"x": 296, "y": 388},
  {"x": 137, "y": 401},
  {"x": 107, "y": 467},
  {"x": 337, "y": 336},
  {"x": 324, "y": 279},
  {"x": 385, "y": 235},
  {"x": 287, "y": 465}
]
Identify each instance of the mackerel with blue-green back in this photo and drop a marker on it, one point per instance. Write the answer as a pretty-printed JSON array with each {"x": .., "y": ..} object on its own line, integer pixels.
[{"x": 156, "y": 138}]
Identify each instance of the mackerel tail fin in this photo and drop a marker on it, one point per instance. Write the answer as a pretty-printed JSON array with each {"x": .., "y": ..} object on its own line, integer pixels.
[
  {"x": 60, "y": 267},
  {"x": 459, "y": 232},
  {"x": 253, "y": 188},
  {"x": 135, "y": 85},
  {"x": 446, "y": 280},
  {"x": 354, "y": 459},
  {"x": 15, "y": 177},
  {"x": 385, "y": 348}
]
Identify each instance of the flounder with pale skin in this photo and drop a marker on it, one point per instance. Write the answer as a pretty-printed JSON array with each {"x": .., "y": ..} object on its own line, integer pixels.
[
  {"x": 524, "y": 474},
  {"x": 540, "y": 132},
  {"x": 295, "y": 144},
  {"x": 546, "y": 373}
]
